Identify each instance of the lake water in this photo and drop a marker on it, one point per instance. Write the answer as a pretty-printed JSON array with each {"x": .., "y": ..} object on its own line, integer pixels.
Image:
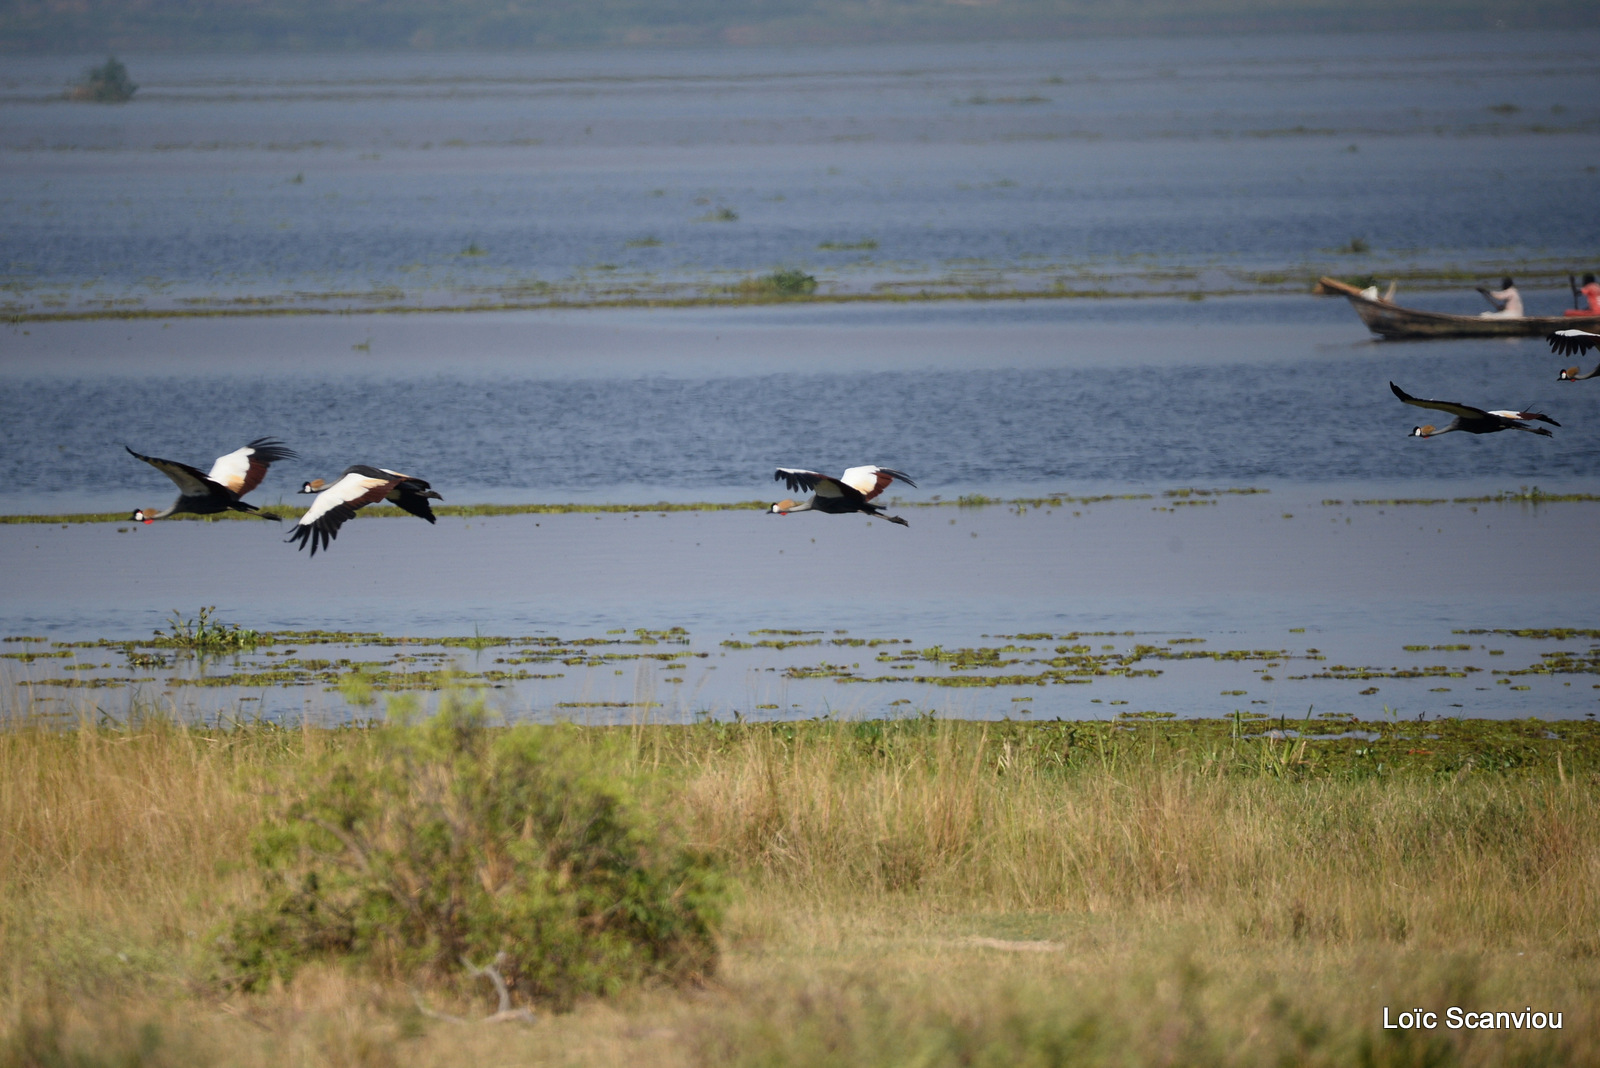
[
  {"x": 1278, "y": 602},
  {"x": 349, "y": 181},
  {"x": 338, "y": 182}
]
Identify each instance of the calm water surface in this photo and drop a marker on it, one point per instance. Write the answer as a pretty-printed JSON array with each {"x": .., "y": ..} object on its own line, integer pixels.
[
  {"x": 1148, "y": 166},
  {"x": 1282, "y": 603},
  {"x": 1133, "y": 400},
  {"x": 341, "y": 180},
  {"x": 633, "y": 407}
]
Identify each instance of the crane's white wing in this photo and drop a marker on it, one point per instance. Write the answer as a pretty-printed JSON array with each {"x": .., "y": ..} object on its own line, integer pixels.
[
  {"x": 336, "y": 505},
  {"x": 1526, "y": 416},
  {"x": 243, "y": 469},
  {"x": 870, "y": 480}
]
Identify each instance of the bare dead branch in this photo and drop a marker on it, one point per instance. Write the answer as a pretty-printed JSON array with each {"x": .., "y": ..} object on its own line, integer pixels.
[{"x": 492, "y": 970}]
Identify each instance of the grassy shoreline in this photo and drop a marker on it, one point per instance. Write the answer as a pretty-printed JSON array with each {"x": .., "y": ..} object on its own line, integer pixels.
[
  {"x": 923, "y": 890},
  {"x": 1525, "y": 495},
  {"x": 1064, "y": 284}
]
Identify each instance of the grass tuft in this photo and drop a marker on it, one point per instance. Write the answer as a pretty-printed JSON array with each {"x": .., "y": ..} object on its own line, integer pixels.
[{"x": 204, "y": 633}]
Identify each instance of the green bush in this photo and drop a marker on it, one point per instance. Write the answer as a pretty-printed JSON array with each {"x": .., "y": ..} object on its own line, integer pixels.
[
  {"x": 448, "y": 845},
  {"x": 791, "y": 282},
  {"x": 106, "y": 84},
  {"x": 785, "y": 283}
]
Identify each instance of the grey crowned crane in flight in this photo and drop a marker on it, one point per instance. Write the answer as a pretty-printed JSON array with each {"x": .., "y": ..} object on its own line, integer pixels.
[
  {"x": 1571, "y": 343},
  {"x": 850, "y": 492},
  {"x": 356, "y": 487},
  {"x": 1473, "y": 420},
  {"x": 231, "y": 477}
]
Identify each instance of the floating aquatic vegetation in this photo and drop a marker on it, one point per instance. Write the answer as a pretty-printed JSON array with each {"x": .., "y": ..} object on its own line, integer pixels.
[
  {"x": 204, "y": 633},
  {"x": 29, "y": 657},
  {"x": 1525, "y": 495},
  {"x": 608, "y": 704},
  {"x": 548, "y": 671},
  {"x": 1541, "y": 633},
  {"x": 1560, "y": 662}
]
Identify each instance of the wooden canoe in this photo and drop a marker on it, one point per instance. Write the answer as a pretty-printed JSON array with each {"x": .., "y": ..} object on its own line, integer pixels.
[{"x": 1392, "y": 321}]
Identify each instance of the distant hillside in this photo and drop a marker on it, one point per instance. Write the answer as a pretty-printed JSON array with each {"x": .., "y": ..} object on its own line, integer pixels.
[{"x": 94, "y": 26}]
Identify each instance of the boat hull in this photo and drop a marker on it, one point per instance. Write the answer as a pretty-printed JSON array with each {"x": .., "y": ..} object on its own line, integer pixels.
[{"x": 1392, "y": 321}]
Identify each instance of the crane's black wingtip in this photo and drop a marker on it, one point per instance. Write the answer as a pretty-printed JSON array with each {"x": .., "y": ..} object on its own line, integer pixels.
[
  {"x": 271, "y": 450},
  {"x": 1571, "y": 342}
]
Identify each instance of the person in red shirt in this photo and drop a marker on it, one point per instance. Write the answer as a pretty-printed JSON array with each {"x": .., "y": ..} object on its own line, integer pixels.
[{"x": 1591, "y": 293}]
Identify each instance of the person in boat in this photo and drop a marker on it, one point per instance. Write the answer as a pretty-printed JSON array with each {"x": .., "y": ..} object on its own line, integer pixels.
[
  {"x": 1590, "y": 291},
  {"x": 1506, "y": 300}
]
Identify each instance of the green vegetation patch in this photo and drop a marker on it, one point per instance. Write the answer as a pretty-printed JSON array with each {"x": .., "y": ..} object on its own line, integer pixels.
[
  {"x": 106, "y": 84},
  {"x": 444, "y": 849},
  {"x": 204, "y": 632},
  {"x": 1072, "y": 664},
  {"x": 779, "y": 284},
  {"x": 1560, "y": 634},
  {"x": 1525, "y": 495}
]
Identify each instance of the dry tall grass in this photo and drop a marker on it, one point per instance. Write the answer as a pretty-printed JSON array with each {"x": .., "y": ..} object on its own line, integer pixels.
[
  {"x": 925, "y": 892},
  {"x": 965, "y": 816}
]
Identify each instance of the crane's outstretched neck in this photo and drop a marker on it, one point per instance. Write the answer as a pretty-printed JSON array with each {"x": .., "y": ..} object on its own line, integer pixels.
[
  {"x": 142, "y": 515},
  {"x": 785, "y": 507}
]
